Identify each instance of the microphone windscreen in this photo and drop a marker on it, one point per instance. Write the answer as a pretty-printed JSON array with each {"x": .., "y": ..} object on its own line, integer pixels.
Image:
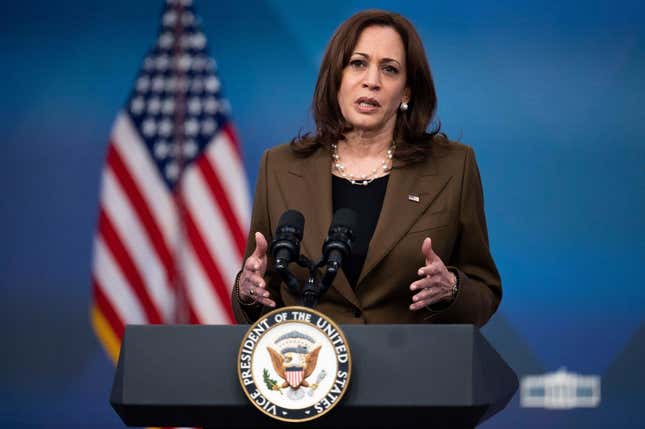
[
  {"x": 345, "y": 217},
  {"x": 292, "y": 218}
]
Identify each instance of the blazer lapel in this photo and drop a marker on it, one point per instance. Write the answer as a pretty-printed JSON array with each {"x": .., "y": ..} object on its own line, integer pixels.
[
  {"x": 307, "y": 187},
  {"x": 410, "y": 191}
]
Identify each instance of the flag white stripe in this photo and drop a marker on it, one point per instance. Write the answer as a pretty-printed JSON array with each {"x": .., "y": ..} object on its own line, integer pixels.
[
  {"x": 115, "y": 287},
  {"x": 199, "y": 291},
  {"x": 155, "y": 193},
  {"x": 136, "y": 241},
  {"x": 222, "y": 155}
]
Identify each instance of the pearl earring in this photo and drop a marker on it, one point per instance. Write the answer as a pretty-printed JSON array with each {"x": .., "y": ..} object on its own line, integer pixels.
[{"x": 403, "y": 106}]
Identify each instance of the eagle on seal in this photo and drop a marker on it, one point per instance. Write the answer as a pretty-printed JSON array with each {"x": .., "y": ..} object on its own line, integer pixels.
[{"x": 294, "y": 365}]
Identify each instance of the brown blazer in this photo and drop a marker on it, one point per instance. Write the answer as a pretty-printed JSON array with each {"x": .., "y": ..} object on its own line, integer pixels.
[{"x": 450, "y": 210}]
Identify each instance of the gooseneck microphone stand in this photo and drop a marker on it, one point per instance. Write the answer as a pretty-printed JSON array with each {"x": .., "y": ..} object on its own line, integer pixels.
[
  {"x": 314, "y": 287},
  {"x": 286, "y": 248}
]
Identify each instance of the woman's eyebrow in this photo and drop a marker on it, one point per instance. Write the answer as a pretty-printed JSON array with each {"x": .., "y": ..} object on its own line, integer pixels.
[{"x": 383, "y": 60}]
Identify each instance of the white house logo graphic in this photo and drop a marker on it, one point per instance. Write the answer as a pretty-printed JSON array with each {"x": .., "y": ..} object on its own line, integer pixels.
[{"x": 560, "y": 390}]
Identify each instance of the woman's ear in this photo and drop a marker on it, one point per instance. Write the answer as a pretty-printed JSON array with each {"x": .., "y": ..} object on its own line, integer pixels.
[{"x": 406, "y": 95}]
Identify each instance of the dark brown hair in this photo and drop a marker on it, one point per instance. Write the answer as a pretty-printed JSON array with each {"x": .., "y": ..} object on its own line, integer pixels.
[{"x": 413, "y": 142}]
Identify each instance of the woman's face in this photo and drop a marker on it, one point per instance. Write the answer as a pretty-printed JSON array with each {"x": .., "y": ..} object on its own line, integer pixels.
[{"x": 373, "y": 84}]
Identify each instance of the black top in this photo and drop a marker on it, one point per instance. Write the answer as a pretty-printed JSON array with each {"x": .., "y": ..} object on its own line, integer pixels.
[{"x": 367, "y": 202}]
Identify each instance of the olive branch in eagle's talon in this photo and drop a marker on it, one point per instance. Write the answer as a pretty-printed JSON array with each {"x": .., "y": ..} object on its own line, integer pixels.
[{"x": 270, "y": 383}]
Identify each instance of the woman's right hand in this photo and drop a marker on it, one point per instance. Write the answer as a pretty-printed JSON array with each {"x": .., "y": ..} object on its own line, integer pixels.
[{"x": 252, "y": 287}]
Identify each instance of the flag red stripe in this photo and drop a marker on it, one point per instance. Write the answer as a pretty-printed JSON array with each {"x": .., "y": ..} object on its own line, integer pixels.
[
  {"x": 142, "y": 209},
  {"x": 185, "y": 312},
  {"x": 223, "y": 203},
  {"x": 194, "y": 320},
  {"x": 106, "y": 309},
  {"x": 127, "y": 266},
  {"x": 208, "y": 263},
  {"x": 229, "y": 130}
]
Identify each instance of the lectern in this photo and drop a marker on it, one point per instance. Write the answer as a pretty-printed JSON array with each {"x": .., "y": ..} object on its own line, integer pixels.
[{"x": 434, "y": 376}]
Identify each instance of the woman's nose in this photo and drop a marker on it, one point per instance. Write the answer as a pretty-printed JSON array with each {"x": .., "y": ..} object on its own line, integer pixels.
[{"x": 372, "y": 79}]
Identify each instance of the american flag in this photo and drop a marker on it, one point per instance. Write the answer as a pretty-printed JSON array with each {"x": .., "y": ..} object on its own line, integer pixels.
[{"x": 174, "y": 205}]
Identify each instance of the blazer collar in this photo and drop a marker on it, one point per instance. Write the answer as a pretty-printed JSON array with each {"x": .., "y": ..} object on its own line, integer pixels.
[{"x": 307, "y": 187}]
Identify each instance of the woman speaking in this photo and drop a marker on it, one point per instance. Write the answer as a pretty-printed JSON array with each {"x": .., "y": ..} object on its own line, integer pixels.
[{"x": 421, "y": 253}]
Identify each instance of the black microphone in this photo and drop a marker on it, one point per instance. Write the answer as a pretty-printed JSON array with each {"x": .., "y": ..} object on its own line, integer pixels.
[
  {"x": 338, "y": 244},
  {"x": 285, "y": 247}
]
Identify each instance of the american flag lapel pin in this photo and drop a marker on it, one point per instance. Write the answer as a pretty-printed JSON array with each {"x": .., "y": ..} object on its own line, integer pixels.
[{"x": 413, "y": 197}]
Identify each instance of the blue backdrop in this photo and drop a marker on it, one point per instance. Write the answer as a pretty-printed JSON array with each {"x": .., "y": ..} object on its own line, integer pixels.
[{"x": 549, "y": 93}]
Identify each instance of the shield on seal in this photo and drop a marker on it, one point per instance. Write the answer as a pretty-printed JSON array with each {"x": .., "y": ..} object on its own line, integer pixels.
[{"x": 294, "y": 376}]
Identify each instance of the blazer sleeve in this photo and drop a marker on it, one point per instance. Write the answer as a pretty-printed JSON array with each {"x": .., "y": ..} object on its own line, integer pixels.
[
  {"x": 260, "y": 222},
  {"x": 480, "y": 288}
]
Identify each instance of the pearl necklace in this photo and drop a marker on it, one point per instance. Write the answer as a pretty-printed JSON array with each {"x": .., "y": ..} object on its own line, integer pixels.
[{"x": 365, "y": 179}]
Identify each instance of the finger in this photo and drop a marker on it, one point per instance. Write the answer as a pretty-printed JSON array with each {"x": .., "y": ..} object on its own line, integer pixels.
[
  {"x": 261, "y": 246},
  {"x": 423, "y": 283},
  {"x": 430, "y": 270},
  {"x": 423, "y": 300},
  {"x": 255, "y": 280},
  {"x": 266, "y": 301},
  {"x": 424, "y": 294},
  {"x": 419, "y": 305},
  {"x": 252, "y": 295},
  {"x": 428, "y": 297},
  {"x": 426, "y": 249},
  {"x": 419, "y": 284},
  {"x": 254, "y": 264},
  {"x": 256, "y": 293}
]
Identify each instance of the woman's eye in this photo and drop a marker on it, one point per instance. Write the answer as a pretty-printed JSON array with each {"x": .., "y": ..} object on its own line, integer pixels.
[
  {"x": 357, "y": 63},
  {"x": 391, "y": 70}
]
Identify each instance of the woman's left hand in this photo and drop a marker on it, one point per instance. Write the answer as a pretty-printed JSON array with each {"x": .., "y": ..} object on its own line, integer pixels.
[{"x": 436, "y": 282}]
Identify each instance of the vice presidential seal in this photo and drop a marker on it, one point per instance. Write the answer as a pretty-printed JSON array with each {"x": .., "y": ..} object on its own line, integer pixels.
[{"x": 294, "y": 364}]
